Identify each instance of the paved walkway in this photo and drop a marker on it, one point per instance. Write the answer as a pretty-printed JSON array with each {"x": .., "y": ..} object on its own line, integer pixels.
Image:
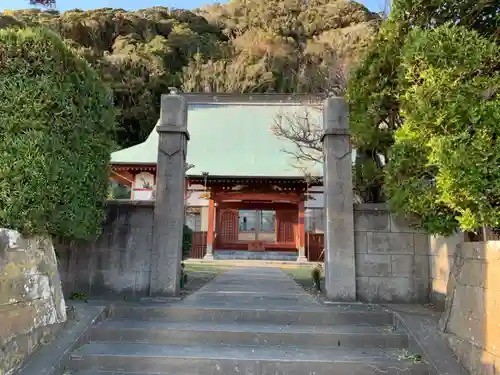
[{"x": 255, "y": 288}]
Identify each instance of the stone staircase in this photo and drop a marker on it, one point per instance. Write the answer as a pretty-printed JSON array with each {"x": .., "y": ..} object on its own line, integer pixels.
[{"x": 195, "y": 337}]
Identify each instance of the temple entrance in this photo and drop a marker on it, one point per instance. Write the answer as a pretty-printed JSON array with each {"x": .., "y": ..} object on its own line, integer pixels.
[
  {"x": 257, "y": 225},
  {"x": 254, "y": 217}
]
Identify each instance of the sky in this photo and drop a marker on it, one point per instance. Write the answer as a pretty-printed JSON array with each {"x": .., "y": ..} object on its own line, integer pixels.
[{"x": 62, "y": 5}]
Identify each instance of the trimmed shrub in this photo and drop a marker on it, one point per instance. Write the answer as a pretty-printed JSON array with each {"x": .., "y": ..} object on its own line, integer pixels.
[
  {"x": 316, "y": 277},
  {"x": 57, "y": 125},
  {"x": 187, "y": 241}
]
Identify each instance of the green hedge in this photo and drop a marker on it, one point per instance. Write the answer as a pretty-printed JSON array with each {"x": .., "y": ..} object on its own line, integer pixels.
[
  {"x": 187, "y": 241},
  {"x": 57, "y": 129}
]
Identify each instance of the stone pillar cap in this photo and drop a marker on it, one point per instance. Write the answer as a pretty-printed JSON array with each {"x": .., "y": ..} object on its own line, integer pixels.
[
  {"x": 173, "y": 115},
  {"x": 335, "y": 117}
]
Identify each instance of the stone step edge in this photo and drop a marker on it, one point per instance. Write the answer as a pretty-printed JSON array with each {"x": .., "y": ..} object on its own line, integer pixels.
[
  {"x": 109, "y": 366},
  {"x": 123, "y": 373},
  {"x": 239, "y": 352},
  {"x": 305, "y": 317},
  {"x": 256, "y": 327},
  {"x": 215, "y": 309},
  {"x": 332, "y": 308}
]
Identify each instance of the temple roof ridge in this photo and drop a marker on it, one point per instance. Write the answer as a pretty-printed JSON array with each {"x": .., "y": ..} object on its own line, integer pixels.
[{"x": 231, "y": 135}]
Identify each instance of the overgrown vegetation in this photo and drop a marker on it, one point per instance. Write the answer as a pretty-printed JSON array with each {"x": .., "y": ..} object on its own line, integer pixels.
[
  {"x": 242, "y": 46},
  {"x": 57, "y": 126},
  {"x": 424, "y": 100}
]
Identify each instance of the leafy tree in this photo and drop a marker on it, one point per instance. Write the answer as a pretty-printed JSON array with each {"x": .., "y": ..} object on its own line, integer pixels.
[
  {"x": 444, "y": 162},
  {"x": 374, "y": 90},
  {"x": 137, "y": 54},
  {"x": 57, "y": 126}
]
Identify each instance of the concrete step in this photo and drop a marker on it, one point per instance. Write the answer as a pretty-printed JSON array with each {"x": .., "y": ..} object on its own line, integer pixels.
[
  {"x": 331, "y": 316},
  {"x": 117, "y": 373},
  {"x": 236, "y": 360},
  {"x": 350, "y": 336}
]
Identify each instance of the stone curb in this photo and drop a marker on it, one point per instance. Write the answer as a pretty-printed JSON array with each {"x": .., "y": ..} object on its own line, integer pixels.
[
  {"x": 52, "y": 359},
  {"x": 424, "y": 331}
]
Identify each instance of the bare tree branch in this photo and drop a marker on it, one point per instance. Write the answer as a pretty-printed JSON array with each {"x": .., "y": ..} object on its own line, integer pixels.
[{"x": 304, "y": 130}]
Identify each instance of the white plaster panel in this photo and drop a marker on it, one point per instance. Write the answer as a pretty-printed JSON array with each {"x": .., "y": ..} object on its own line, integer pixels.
[
  {"x": 143, "y": 195},
  {"x": 317, "y": 201},
  {"x": 195, "y": 199}
]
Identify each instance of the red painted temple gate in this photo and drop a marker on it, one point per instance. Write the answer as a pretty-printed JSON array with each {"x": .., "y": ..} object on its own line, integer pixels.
[{"x": 255, "y": 214}]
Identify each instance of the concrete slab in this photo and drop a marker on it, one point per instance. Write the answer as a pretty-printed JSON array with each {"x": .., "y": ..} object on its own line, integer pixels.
[
  {"x": 352, "y": 336},
  {"x": 255, "y": 300},
  {"x": 319, "y": 317},
  {"x": 257, "y": 287},
  {"x": 205, "y": 360}
]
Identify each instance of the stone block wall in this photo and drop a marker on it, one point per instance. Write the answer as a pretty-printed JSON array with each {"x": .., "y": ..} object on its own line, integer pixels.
[
  {"x": 441, "y": 259},
  {"x": 392, "y": 258},
  {"x": 471, "y": 320},
  {"x": 31, "y": 301},
  {"x": 118, "y": 263}
]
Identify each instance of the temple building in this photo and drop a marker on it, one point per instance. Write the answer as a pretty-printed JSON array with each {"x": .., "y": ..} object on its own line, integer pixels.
[{"x": 247, "y": 197}]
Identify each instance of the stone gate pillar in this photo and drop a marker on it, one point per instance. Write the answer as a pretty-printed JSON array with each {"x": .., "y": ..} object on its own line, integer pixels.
[
  {"x": 340, "y": 264},
  {"x": 169, "y": 205}
]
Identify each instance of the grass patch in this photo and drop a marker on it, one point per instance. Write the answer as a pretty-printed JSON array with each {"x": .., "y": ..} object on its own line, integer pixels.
[{"x": 206, "y": 268}]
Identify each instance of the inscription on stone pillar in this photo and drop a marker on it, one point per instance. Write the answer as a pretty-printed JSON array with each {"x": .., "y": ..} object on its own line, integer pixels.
[
  {"x": 340, "y": 263},
  {"x": 169, "y": 204}
]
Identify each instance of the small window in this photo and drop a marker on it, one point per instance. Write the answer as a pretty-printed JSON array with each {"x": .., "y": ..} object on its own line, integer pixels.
[
  {"x": 257, "y": 225},
  {"x": 193, "y": 221},
  {"x": 247, "y": 221},
  {"x": 267, "y": 221}
]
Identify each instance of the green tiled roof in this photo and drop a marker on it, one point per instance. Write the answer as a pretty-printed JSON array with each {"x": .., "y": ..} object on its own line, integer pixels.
[{"x": 231, "y": 140}]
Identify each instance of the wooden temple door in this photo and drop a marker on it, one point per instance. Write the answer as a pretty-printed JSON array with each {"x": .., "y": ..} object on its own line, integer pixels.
[
  {"x": 227, "y": 226},
  {"x": 286, "y": 222}
]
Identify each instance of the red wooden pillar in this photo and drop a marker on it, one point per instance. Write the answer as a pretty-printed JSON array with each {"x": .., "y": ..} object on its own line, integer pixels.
[
  {"x": 301, "y": 235},
  {"x": 211, "y": 229}
]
